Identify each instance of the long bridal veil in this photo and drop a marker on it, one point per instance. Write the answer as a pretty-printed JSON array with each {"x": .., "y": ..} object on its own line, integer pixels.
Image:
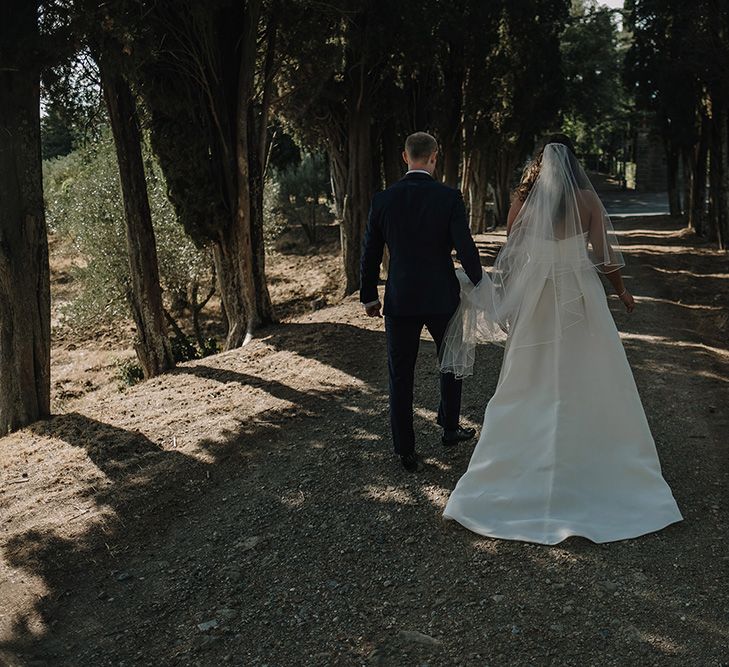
[
  {"x": 552, "y": 460},
  {"x": 561, "y": 232}
]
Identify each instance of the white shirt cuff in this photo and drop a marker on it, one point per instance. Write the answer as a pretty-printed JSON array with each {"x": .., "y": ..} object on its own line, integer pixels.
[{"x": 371, "y": 303}]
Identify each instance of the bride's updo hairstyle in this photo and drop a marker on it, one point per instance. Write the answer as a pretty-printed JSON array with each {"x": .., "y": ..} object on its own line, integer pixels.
[{"x": 531, "y": 171}]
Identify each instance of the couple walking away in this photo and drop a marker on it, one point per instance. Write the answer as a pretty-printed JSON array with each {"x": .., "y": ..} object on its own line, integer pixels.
[{"x": 565, "y": 447}]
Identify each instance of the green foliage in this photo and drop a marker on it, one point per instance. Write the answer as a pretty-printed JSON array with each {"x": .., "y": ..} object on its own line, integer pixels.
[
  {"x": 181, "y": 262},
  {"x": 184, "y": 348},
  {"x": 71, "y": 95},
  {"x": 58, "y": 137},
  {"x": 309, "y": 179},
  {"x": 129, "y": 371},
  {"x": 677, "y": 69},
  {"x": 275, "y": 221},
  {"x": 189, "y": 90},
  {"x": 284, "y": 151},
  {"x": 670, "y": 54},
  {"x": 595, "y": 109},
  {"x": 209, "y": 346},
  {"x": 84, "y": 203},
  {"x": 513, "y": 91},
  {"x": 526, "y": 71},
  {"x": 300, "y": 193}
]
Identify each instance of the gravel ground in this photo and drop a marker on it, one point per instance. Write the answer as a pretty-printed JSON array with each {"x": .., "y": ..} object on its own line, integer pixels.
[{"x": 246, "y": 509}]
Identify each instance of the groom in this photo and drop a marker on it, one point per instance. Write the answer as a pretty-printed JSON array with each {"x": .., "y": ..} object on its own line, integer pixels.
[{"x": 421, "y": 221}]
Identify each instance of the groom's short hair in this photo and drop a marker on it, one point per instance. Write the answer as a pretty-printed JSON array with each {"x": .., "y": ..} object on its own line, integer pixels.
[{"x": 420, "y": 145}]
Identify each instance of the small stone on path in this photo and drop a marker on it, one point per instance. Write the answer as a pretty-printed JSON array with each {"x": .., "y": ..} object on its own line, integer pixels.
[
  {"x": 250, "y": 542},
  {"x": 208, "y": 625},
  {"x": 415, "y": 637}
]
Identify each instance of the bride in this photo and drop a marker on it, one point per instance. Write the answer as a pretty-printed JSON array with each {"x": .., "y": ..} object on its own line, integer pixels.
[{"x": 565, "y": 447}]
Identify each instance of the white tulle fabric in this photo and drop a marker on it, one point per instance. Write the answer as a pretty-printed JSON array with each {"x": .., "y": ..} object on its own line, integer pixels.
[
  {"x": 562, "y": 230},
  {"x": 565, "y": 447}
]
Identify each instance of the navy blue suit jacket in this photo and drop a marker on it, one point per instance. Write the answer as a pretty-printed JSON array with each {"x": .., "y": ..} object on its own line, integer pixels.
[{"x": 421, "y": 221}]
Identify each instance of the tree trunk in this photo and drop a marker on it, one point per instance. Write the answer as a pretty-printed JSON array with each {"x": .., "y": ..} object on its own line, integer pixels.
[
  {"x": 226, "y": 254},
  {"x": 392, "y": 164},
  {"x": 145, "y": 296},
  {"x": 337, "y": 173},
  {"x": 360, "y": 181},
  {"x": 258, "y": 123},
  {"x": 196, "y": 306},
  {"x": 718, "y": 175},
  {"x": 452, "y": 127},
  {"x": 392, "y": 146},
  {"x": 358, "y": 138},
  {"x": 477, "y": 187},
  {"x": 722, "y": 181},
  {"x": 25, "y": 311},
  {"x": 465, "y": 184},
  {"x": 238, "y": 257},
  {"x": 504, "y": 169},
  {"x": 451, "y": 161},
  {"x": 262, "y": 298},
  {"x": 714, "y": 175},
  {"x": 335, "y": 135},
  {"x": 674, "y": 197},
  {"x": 268, "y": 74},
  {"x": 686, "y": 176},
  {"x": 696, "y": 220}
]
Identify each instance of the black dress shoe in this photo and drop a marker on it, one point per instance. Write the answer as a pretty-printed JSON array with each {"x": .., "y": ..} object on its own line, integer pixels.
[
  {"x": 459, "y": 435},
  {"x": 410, "y": 462}
]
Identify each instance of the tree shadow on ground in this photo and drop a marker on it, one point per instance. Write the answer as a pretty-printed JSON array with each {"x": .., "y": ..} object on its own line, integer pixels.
[
  {"x": 347, "y": 551},
  {"x": 127, "y": 460},
  {"x": 148, "y": 488},
  {"x": 300, "y": 537}
]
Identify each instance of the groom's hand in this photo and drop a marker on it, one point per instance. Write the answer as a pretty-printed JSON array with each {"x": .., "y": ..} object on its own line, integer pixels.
[{"x": 373, "y": 310}]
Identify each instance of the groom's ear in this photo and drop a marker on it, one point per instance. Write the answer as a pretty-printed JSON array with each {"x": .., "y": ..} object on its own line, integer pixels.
[{"x": 405, "y": 157}]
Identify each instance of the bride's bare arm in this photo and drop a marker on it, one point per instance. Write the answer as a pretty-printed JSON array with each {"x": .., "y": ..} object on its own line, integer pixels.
[
  {"x": 513, "y": 212},
  {"x": 612, "y": 273}
]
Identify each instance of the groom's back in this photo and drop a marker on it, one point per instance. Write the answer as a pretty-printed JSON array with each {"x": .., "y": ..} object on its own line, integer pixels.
[
  {"x": 415, "y": 213},
  {"x": 415, "y": 217}
]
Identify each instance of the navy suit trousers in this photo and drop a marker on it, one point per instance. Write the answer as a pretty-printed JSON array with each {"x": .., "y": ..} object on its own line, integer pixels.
[{"x": 403, "y": 342}]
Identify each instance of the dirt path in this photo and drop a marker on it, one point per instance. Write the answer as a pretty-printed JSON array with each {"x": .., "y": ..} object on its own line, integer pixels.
[{"x": 246, "y": 509}]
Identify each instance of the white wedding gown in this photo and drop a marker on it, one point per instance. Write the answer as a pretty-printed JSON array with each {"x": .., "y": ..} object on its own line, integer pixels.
[{"x": 565, "y": 447}]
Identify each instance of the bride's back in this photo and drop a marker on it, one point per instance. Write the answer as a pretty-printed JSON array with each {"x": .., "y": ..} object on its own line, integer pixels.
[{"x": 585, "y": 209}]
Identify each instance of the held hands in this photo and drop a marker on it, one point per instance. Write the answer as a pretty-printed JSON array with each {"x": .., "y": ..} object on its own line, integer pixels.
[{"x": 628, "y": 301}]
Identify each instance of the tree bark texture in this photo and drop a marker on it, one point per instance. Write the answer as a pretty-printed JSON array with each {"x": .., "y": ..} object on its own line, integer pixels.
[
  {"x": 25, "y": 311},
  {"x": 697, "y": 203},
  {"x": 145, "y": 294},
  {"x": 674, "y": 196},
  {"x": 453, "y": 122},
  {"x": 503, "y": 172},
  {"x": 719, "y": 176},
  {"x": 360, "y": 182}
]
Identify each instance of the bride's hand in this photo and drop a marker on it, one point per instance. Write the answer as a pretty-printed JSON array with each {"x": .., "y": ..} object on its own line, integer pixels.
[{"x": 628, "y": 301}]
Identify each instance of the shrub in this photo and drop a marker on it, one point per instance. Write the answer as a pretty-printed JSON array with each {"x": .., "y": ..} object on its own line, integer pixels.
[
  {"x": 84, "y": 203},
  {"x": 129, "y": 372},
  {"x": 301, "y": 193}
]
